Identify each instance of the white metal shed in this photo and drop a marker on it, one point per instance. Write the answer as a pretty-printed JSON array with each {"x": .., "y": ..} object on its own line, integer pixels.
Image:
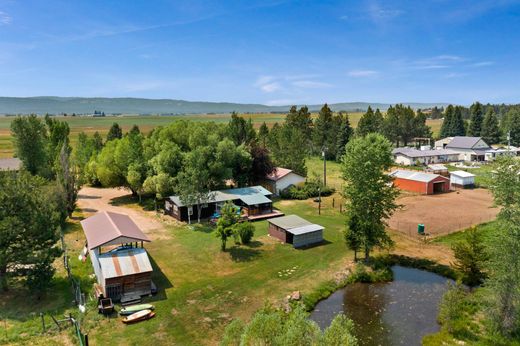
[{"x": 462, "y": 179}]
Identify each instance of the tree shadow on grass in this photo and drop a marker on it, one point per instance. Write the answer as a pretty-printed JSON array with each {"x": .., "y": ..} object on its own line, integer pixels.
[
  {"x": 161, "y": 281},
  {"x": 147, "y": 203},
  {"x": 254, "y": 244},
  {"x": 244, "y": 254},
  {"x": 201, "y": 227}
]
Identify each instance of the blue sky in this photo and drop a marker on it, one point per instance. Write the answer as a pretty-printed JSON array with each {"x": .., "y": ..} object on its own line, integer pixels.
[{"x": 270, "y": 52}]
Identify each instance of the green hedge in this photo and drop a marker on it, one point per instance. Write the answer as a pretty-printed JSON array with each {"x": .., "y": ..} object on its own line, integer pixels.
[{"x": 309, "y": 189}]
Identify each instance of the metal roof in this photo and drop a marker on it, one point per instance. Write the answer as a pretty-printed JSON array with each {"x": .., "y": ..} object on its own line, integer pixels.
[
  {"x": 124, "y": 262},
  {"x": 437, "y": 167},
  {"x": 305, "y": 229},
  {"x": 413, "y": 175},
  {"x": 108, "y": 228},
  {"x": 462, "y": 174},
  {"x": 249, "y": 195},
  {"x": 414, "y": 153},
  {"x": 289, "y": 221},
  {"x": 10, "y": 164},
  {"x": 279, "y": 173},
  {"x": 463, "y": 142}
]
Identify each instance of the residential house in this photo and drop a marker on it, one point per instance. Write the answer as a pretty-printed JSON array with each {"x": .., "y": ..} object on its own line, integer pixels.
[
  {"x": 410, "y": 156},
  {"x": 282, "y": 178}
]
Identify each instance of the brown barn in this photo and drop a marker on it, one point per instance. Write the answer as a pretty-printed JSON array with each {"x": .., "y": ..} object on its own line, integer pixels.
[
  {"x": 120, "y": 262},
  {"x": 423, "y": 183}
]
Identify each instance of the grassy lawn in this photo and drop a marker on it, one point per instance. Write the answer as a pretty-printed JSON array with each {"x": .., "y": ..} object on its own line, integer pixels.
[
  {"x": 201, "y": 288},
  {"x": 486, "y": 231}
]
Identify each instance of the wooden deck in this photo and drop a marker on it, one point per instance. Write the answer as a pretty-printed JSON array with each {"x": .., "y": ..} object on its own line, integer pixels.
[{"x": 274, "y": 213}]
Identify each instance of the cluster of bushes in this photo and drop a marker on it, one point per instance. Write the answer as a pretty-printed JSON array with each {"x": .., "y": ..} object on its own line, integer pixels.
[{"x": 309, "y": 189}]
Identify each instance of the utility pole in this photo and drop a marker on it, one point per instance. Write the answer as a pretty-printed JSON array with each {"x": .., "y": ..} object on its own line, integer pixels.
[
  {"x": 319, "y": 201},
  {"x": 324, "y": 166}
]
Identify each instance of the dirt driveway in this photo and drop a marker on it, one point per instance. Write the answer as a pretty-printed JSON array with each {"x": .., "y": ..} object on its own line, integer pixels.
[
  {"x": 444, "y": 213},
  {"x": 91, "y": 200}
]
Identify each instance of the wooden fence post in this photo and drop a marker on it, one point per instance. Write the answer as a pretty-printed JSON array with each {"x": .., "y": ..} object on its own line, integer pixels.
[{"x": 43, "y": 322}]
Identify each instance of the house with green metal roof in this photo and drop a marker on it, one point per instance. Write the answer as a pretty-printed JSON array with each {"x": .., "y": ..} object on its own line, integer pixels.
[{"x": 254, "y": 203}]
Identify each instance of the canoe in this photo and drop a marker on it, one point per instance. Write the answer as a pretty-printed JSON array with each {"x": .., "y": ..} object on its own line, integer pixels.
[
  {"x": 139, "y": 316},
  {"x": 128, "y": 310}
]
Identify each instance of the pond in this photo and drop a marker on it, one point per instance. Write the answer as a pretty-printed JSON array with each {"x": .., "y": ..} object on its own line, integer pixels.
[{"x": 400, "y": 312}]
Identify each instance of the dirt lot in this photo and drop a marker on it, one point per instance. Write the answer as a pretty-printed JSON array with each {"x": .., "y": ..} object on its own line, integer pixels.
[
  {"x": 91, "y": 200},
  {"x": 444, "y": 213}
]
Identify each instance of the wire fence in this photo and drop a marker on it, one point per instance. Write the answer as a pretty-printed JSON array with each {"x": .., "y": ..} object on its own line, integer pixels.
[{"x": 436, "y": 228}]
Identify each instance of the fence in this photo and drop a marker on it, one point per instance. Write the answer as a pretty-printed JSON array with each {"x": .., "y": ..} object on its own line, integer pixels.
[{"x": 436, "y": 229}]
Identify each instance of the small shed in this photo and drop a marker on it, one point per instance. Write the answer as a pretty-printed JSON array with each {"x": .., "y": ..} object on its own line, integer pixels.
[
  {"x": 115, "y": 246},
  {"x": 295, "y": 230},
  {"x": 423, "y": 183},
  {"x": 462, "y": 180},
  {"x": 437, "y": 169},
  {"x": 282, "y": 178}
]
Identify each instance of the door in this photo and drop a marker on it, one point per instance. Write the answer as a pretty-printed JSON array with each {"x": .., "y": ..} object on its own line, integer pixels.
[
  {"x": 438, "y": 187},
  {"x": 114, "y": 291}
]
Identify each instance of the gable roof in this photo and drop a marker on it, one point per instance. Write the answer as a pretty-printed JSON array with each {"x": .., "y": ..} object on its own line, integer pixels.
[
  {"x": 462, "y": 174},
  {"x": 417, "y": 176},
  {"x": 10, "y": 164},
  {"x": 295, "y": 224},
  {"x": 437, "y": 167},
  {"x": 248, "y": 195},
  {"x": 108, "y": 228},
  {"x": 463, "y": 142},
  {"x": 414, "y": 153},
  {"x": 123, "y": 262},
  {"x": 279, "y": 173}
]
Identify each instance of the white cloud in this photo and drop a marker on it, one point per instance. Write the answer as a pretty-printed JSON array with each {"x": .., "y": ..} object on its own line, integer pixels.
[
  {"x": 483, "y": 63},
  {"x": 270, "y": 87},
  {"x": 448, "y": 57},
  {"x": 363, "y": 73},
  {"x": 454, "y": 75},
  {"x": 5, "y": 19},
  {"x": 309, "y": 84},
  {"x": 431, "y": 67},
  {"x": 345, "y": 17}
]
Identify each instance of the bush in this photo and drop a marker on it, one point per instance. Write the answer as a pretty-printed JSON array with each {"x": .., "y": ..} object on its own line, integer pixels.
[
  {"x": 245, "y": 232},
  {"x": 309, "y": 189}
]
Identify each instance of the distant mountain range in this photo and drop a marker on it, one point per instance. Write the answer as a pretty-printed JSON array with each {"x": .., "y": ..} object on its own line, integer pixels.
[{"x": 87, "y": 105}]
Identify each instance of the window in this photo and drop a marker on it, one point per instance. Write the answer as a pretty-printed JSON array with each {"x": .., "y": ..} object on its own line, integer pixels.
[
  {"x": 190, "y": 210},
  {"x": 175, "y": 209}
]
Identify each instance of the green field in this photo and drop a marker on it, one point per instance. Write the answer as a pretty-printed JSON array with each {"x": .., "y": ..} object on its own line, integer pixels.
[{"x": 147, "y": 123}]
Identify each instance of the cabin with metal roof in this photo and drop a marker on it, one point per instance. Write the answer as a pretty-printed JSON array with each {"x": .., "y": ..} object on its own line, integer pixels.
[
  {"x": 253, "y": 201},
  {"x": 120, "y": 262},
  {"x": 281, "y": 179},
  {"x": 295, "y": 230},
  {"x": 420, "y": 182}
]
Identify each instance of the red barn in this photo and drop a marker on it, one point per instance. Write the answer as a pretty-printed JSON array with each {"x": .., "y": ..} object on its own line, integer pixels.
[{"x": 423, "y": 183}]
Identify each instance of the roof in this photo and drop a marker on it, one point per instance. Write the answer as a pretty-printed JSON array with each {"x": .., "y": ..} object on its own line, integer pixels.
[
  {"x": 463, "y": 142},
  {"x": 289, "y": 221},
  {"x": 108, "y": 228},
  {"x": 413, "y": 153},
  {"x": 249, "y": 195},
  {"x": 10, "y": 164},
  {"x": 413, "y": 175},
  {"x": 279, "y": 173},
  {"x": 124, "y": 262},
  {"x": 437, "y": 167},
  {"x": 462, "y": 174},
  {"x": 305, "y": 229}
]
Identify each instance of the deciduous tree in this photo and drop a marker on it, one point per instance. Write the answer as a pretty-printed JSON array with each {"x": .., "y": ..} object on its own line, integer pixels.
[{"x": 370, "y": 196}]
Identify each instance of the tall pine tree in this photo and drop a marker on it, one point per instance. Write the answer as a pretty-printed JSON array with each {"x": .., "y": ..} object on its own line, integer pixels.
[
  {"x": 475, "y": 121},
  {"x": 370, "y": 122},
  {"x": 490, "y": 130}
]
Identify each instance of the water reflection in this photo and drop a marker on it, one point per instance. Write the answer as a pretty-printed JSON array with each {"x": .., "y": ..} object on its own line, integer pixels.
[{"x": 400, "y": 312}]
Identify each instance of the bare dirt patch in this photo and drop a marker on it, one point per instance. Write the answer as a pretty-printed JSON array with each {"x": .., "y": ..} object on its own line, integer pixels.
[
  {"x": 92, "y": 200},
  {"x": 444, "y": 213}
]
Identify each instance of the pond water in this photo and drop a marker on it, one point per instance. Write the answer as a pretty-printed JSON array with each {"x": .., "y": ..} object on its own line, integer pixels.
[{"x": 400, "y": 312}]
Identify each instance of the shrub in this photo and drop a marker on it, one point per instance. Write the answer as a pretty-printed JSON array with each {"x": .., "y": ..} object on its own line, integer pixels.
[
  {"x": 245, "y": 232},
  {"x": 451, "y": 309},
  {"x": 309, "y": 189}
]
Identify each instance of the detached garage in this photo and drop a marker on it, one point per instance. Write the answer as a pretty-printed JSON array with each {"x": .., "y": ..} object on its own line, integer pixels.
[
  {"x": 423, "y": 183},
  {"x": 462, "y": 180},
  {"x": 294, "y": 230}
]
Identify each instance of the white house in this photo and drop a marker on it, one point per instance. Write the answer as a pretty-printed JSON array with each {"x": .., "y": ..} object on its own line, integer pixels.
[
  {"x": 282, "y": 178},
  {"x": 469, "y": 148},
  {"x": 462, "y": 179},
  {"x": 411, "y": 156}
]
